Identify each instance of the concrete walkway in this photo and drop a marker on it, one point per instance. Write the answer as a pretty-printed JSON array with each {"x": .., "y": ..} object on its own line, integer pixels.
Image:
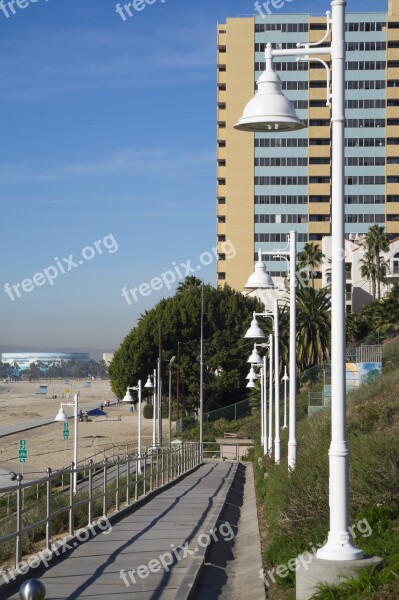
[
  {"x": 232, "y": 567},
  {"x": 184, "y": 515}
]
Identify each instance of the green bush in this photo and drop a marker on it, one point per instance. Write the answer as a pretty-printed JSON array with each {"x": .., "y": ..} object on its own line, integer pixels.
[{"x": 148, "y": 411}]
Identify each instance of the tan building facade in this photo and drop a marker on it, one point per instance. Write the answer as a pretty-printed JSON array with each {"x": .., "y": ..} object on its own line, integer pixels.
[{"x": 268, "y": 185}]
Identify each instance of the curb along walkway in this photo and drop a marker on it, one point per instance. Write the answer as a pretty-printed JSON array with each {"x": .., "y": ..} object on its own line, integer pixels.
[{"x": 179, "y": 516}]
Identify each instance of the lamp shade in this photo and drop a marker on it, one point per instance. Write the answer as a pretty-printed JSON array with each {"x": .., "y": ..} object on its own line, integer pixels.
[
  {"x": 285, "y": 376},
  {"x": 255, "y": 357},
  {"x": 252, "y": 376},
  {"x": 269, "y": 110},
  {"x": 61, "y": 416},
  {"x": 260, "y": 278},
  {"x": 254, "y": 331},
  {"x": 127, "y": 397},
  {"x": 148, "y": 383},
  {"x": 251, "y": 384}
]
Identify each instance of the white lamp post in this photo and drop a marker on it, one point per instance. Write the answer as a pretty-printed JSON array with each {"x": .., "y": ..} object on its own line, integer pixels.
[
  {"x": 171, "y": 363},
  {"x": 256, "y": 332},
  {"x": 63, "y": 418},
  {"x": 255, "y": 282},
  {"x": 128, "y": 398},
  {"x": 151, "y": 384},
  {"x": 285, "y": 379},
  {"x": 270, "y": 111}
]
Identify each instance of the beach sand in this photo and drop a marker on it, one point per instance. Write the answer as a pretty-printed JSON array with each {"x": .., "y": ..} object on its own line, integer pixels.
[{"x": 46, "y": 446}]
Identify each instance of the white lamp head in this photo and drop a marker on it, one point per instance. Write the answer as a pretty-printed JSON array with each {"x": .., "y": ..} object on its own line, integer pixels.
[
  {"x": 260, "y": 278},
  {"x": 252, "y": 376},
  {"x": 251, "y": 384},
  {"x": 255, "y": 356},
  {"x": 269, "y": 110},
  {"x": 285, "y": 376},
  {"x": 254, "y": 331},
  {"x": 128, "y": 397},
  {"x": 61, "y": 416},
  {"x": 149, "y": 383}
]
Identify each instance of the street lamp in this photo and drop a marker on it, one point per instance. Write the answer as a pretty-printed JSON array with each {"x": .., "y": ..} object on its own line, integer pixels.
[
  {"x": 270, "y": 111},
  {"x": 63, "y": 418},
  {"x": 171, "y": 364},
  {"x": 128, "y": 398},
  {"x": 289, "y": 254},
  {"x": 285, "y": 379},
  {"x": 256, "y": 332},
  {"x": 151, "y": 384}
]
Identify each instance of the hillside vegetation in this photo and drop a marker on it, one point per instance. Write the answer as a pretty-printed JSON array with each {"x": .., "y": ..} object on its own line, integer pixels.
[{"x": 294, "y": 508}]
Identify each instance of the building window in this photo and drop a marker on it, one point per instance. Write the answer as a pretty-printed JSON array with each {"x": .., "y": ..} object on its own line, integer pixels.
[
  {"x": 221, "y": 276},
  {"x": 221, "y": 143},
  {"x": 319, "y": 142},
  {"x": 221, "y": 219},
  {"x": 221, "y": 200},
  {"x": 395, "y": 264},
  {"x": 319, "y": 122},
  {"x": 260, "y": 199},
  {"x": 221, "y": 257},
  {"x": 319, "y": 179},
  {"x": 319, "y": 161},
  {"x": 221, "y": 181},
  {"x": 221, "y": 238},
  {"x": 319, "y": 198},
  {"x": 281, "y": 180}
]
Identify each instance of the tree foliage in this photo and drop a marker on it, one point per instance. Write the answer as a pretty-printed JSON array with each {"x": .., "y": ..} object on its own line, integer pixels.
[
  {"x": 226, "y": 315},
  {"x": 376, "y": 321}
]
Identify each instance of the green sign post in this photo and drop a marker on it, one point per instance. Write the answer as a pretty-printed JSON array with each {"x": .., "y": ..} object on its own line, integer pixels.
[{"x": 22, "y": 452}]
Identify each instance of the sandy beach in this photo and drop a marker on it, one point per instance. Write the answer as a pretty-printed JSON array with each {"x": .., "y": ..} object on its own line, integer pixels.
[{"x": 46, "y": 446}]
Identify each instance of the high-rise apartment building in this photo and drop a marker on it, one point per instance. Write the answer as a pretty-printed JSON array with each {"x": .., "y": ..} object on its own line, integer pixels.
[{"x": 269, "y": 184}]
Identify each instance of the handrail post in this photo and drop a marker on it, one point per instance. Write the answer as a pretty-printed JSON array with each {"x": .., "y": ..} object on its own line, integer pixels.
[
  {"x": 151, "y": 470},
  {"x": 18, "y": 544},
  {"x": 71, "y": 510},
  {"x": 105, "y": 488},
  {"x": 145, "y": 474},
  {"x": 117, "y": 484},
  {"x": 157, "y": 470},
  {"x": 90, "y": 491},
  {"x": 162, "y": 464},
  {"x": 48, "y": 509},
  {"x": 127, "y": 480}
]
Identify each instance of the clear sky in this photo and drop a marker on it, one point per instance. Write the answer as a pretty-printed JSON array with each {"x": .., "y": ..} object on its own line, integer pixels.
[{"x": 107, "y": 135}]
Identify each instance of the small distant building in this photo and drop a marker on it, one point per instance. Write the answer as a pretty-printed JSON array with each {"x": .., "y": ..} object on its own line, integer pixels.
[
  {"x": 44, "y": 359},
  {"x": 358, "y": 289}
]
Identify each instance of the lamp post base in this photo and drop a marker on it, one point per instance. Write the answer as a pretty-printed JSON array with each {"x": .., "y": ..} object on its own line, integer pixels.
[{"x": 312, "y": 571}]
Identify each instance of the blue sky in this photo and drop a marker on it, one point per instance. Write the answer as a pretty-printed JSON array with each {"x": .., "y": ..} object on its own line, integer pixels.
[{"x": 107, "y": 129}]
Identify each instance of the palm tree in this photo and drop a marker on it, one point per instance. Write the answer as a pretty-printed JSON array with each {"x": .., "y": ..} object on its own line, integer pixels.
[
  {"x": 309, "y": 258},
  {"x": 368, "y": 270},
  {"x": 376, "y": 241},
  {"x": 313, "y": 326}
]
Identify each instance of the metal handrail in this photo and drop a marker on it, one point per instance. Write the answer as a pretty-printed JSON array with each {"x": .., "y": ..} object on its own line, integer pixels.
[{"x": 140, "y": 475}]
